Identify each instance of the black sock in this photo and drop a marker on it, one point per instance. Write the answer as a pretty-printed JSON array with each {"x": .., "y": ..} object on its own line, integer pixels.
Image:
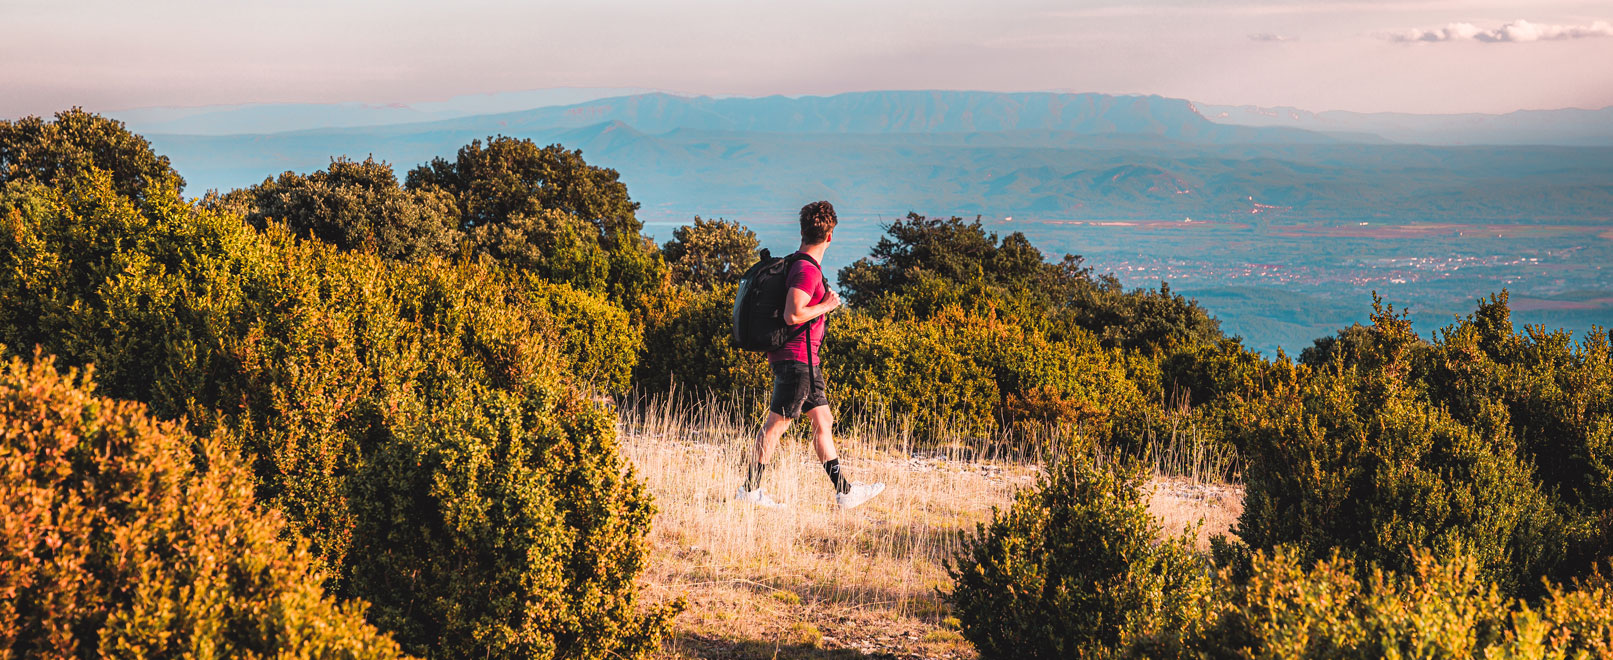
[
  {"x": 833, "y": 468},
  {"x": 753, "y": 476}
]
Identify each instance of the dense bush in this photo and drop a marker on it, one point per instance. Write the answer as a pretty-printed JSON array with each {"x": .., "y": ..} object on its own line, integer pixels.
[
  {"x": 1551, "y": 394},
  {"x": 122, "y": 536},
  {"x": 689, "y": 345},
  {"x": 75, "y": 141},
  {"x": 938, "y": 263},
  {"x": 1076, "y": 569},
  {"x": 709, "y": 253},
  {"x": 975, "y": 372},
  {"x": 416, "y": 423},
  {"x": 914, "y": 370},
  {"x": 597, "y": 340},
  {"x": 354, "y": 206},
  {"x": 1440, "y": 609},
  {"x": 1355, "y": 460},
  {"x": 958, "y": 371},
  {"x": 554, "y": 245}
]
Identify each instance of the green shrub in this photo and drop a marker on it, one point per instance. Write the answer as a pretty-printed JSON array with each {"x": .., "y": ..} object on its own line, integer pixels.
[
  {"x": 551, "y": 244},
  {"x": 974, "y": 373},
  {"x": 123, "y": 536},
  {"x": 332, "y": 370},
  {"x": 1223, "y": 372},
  {"x": 598, "y": 341},
  {"x": 504, "y": 524},
  {"x": 1076, "y": 569},
  {"x": 688, "y": 346},
  {"x": 911, "y": 370},
  {"x": 1553, "y": 395},
  {"x": 1441, "y": 609},
  {"x": 1355, "y": 460},
  {"x": 1148, "y": 320},
  {"x": 354, "y": 206}
]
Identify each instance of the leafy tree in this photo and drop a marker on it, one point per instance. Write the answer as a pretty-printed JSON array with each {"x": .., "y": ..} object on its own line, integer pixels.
[
  {"x": 124, "y": 536},
  {"x": 710, "y": 253},
  {"x": 509, "y": 193},
  {"x": 925, "y": 264},
  {"x": 950, "y": 248},
  {"x": 509, "y": 176},
  {"x": 1149, "y": 320},
  {"x": 53, "y": 152},
  {"x": 355, "y": 206}
]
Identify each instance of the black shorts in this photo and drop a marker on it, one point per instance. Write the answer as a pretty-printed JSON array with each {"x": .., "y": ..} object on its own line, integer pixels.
[{"x": 797, "y": 388}]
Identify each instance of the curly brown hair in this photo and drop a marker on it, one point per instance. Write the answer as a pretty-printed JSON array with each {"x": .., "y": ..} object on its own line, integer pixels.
[{"x": 817, "y": 219}]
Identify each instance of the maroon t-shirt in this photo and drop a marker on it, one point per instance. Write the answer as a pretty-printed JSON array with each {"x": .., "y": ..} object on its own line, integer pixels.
[{"x": 806, "y": 277}]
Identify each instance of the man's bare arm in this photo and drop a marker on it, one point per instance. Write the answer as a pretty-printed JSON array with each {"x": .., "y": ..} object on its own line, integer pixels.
[{"x": 797, "y": 311}]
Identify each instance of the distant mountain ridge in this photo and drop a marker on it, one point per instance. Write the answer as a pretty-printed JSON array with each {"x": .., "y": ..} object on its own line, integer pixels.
[
  {"x": 248, "y": 118},
  {"x": 1572, "y": 127},
  {"x": 893, "y": 112}
]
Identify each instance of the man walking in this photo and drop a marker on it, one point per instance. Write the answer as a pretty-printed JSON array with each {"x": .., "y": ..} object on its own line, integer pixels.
[{"x": 798, "y": 382}]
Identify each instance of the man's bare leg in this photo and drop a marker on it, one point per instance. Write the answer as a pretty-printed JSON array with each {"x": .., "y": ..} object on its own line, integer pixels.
[
  {"x": 756, "y": 459},
  {"x": 823, "y": 440},
  {"x": 767, "y": 439}
]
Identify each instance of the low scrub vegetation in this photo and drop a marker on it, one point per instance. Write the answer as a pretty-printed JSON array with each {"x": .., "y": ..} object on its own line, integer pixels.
[
  {"x": 123, "y": 535},
  {"x": 1075, "y": 568}
]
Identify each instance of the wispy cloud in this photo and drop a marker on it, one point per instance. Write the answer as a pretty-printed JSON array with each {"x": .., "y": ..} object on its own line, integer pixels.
[
  {"x": 1269, "y": 37},
  {"x": 1518, "y": 31}
]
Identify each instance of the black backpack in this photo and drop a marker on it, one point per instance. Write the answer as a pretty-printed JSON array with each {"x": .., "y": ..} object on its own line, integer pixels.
[{"x": 759, "y": 304}]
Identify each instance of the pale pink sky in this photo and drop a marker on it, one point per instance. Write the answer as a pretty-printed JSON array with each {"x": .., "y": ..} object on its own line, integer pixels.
[{"x": 1365, "y": 55}]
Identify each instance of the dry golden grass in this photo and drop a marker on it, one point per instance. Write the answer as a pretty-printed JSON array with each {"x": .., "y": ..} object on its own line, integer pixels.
[{"x": 811, "y": 581}]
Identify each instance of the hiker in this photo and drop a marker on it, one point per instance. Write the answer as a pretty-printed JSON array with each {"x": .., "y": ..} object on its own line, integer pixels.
[{"x": 798, "y": 382}]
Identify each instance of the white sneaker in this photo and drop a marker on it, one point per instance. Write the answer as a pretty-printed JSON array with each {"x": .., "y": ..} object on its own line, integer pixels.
[
  {"x": 757, "y": 497},
  {"x": 860, "y": 492}
]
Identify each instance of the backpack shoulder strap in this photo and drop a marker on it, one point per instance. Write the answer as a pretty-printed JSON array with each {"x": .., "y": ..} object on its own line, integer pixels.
[{"x": 802, "y": 256}]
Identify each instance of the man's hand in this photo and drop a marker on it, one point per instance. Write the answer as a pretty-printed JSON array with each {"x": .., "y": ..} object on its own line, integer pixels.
[{"x": 831, "y": 302}]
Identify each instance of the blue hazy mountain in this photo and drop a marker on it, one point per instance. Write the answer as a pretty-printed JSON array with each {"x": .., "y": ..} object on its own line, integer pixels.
[
  {"x": 1566, "y": 127},
  {"x": 897, "y": 112},
  {"x": 281, "y": 117}
]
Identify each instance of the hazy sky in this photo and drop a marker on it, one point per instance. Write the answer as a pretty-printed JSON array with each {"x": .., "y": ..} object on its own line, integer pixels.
[{"x": 1367, "y": 55}]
